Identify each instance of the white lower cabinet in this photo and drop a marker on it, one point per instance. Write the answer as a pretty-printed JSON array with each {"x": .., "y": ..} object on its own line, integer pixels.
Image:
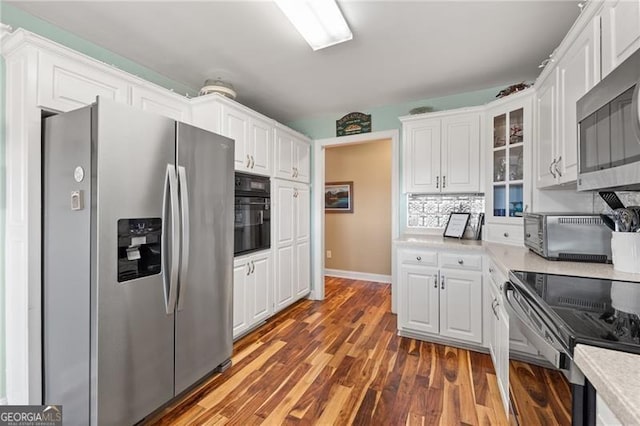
[
  {"x": 252, "y": 282},
  {"x": 434, "y": 300},
  {"x": 499, "y": 342},
  {"x": 291, "y": 240},
  {"x": 419, "y": 297},
  {"x": 461, "y": 305}
]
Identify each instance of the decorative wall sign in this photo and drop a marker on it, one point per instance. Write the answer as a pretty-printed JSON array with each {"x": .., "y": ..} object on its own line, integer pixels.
[
  {"x": 338, "y": 197},
  {"x": 457, "y": 225},
  {"x": 353, "y": 124}
]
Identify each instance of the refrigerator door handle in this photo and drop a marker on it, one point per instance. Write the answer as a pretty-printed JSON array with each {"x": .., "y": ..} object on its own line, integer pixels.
[
  {"x": 184, "y": 208},
  {"x": 170, "y": 276}
]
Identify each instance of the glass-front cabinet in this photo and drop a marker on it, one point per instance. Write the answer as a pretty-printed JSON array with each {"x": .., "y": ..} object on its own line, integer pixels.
[{"x": 509, "y": 153}]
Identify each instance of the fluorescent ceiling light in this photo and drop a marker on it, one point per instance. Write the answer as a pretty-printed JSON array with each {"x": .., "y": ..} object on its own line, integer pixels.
[{"x": 318, "y": 21}]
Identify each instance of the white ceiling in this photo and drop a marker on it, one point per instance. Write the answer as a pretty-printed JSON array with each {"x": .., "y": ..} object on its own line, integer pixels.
[{"x": 401, "y": 51}]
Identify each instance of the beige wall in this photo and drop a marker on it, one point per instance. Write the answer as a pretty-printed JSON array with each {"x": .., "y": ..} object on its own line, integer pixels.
[{"x": 361, "y": 241}]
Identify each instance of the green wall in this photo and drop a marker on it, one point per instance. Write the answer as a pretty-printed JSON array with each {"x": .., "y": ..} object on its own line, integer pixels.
[{"x": 386, "y": 117}]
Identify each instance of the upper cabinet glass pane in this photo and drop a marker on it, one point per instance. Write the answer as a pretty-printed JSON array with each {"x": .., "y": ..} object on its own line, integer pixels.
[
  {"x": 516, "y": 122},
  {"x": 499, "y": 165},
  {"x": 499, "y": 130},
  {"x": 515, "y": 163}
]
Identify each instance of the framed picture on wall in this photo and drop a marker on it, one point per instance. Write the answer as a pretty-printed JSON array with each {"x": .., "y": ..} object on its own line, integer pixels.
[{"x": 338, "y": 197}]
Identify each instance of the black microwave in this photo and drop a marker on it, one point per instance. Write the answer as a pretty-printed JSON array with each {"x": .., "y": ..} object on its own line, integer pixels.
[{"x": 609, "y": 130}]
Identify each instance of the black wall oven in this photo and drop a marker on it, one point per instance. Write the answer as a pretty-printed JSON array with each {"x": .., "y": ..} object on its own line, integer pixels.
[{"x": 252, "y": 224}]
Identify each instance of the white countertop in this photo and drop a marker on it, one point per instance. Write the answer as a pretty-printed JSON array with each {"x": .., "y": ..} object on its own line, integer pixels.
[
  {"x": 616, "y": 377},
  {"x": 517, "y": 258}
]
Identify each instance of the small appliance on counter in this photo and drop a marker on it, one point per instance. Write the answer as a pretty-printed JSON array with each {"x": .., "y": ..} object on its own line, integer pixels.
[{"x": 573, "y": 237}]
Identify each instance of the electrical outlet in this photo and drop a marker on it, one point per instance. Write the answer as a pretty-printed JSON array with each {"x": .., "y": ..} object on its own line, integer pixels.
[{"x": 328, "y": 254}]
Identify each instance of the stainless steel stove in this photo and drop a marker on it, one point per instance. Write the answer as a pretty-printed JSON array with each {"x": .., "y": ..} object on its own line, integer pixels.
[{"x": 557, "y": 312}]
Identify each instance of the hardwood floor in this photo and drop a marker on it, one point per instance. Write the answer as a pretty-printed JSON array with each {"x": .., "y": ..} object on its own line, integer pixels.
[{"x": 341, "y": 362}]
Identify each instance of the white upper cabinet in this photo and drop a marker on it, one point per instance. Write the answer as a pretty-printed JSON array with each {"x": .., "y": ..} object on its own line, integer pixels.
[
  {"x": 292, "y": 155},
  {"x": 509, "y": 136},
  {"x": 569, "y": 77},
  {"x": 546, "y": 107},
  {"x": 161, "y": 102},
  {"x": 578, "y": 71},
  {"x": 253, "y": 139},
  {"x": 620, "y": 32},
  {"x": 65, "y": 84},
  {"x": 442, "y": 153},
  {"x": 460, "y": 165},
  {"x": 421, "y": 148}
]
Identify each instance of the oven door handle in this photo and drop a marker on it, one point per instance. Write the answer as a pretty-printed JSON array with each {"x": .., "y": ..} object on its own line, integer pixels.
[{"x": 546, "y": 345}]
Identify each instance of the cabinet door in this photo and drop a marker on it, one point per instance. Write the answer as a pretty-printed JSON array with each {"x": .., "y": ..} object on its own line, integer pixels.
[
  {"x": 620, "y": 32},
  {"x": 461, "y": 153},
  {"x": 418, "y": 297},
  {"x": 260, "y": 143},
  {"x": 284, "y": 209},
  {"x": 284, "y": 155},
  {"x": 461, "y": 305},
  {"x": 491, "y": 317},
  {"x": 502, "y": 345},
  {"x": 546, "y": 106},
  {"x": 421, "y": 149},
  {"x": 303, "y": 169},
  {"x": 235, "y": 125},
  {"x": 259, "y": 287},
  {"x": 64, "y": 85},
  {"x": 161, "y": 103},
  {"x": 241, "y": 272},
  {"x": 284, "y": 276},
  {"x": 302, "y": 211},
  {"x": 578, "y": 72},
  {"x": 302, "y": 268}
]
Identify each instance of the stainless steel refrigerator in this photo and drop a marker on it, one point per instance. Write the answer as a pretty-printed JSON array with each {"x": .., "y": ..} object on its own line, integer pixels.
[{"x": 137, "y": 258}]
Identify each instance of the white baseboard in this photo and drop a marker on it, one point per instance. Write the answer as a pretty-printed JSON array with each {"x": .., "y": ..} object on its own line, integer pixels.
[{"x": 362, "y": 276}]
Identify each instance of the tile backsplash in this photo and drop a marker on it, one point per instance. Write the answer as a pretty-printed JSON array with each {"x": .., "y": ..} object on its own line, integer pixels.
[{"x": 432, "y": 211}]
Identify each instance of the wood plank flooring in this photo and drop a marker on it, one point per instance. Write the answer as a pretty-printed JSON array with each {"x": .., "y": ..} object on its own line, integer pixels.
[{"x": 341, "y": 362}]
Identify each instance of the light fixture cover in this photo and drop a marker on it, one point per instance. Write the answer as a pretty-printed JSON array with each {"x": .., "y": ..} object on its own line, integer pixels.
[{"x": 320, "y": 22}]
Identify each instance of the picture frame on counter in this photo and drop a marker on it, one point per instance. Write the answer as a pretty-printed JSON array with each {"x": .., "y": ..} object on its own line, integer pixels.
[
  {"x": 338, "y": 197},
  {"x": 456, "y": 225}
]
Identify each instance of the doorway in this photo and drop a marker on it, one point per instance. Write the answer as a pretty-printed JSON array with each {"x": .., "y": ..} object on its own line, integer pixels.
[{"x": 318, "y": 202}]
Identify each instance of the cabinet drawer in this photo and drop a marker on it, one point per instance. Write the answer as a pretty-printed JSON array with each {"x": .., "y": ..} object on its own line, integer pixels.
[
  {"x": 506, "y": 234},
  {"x": 469, "y": 262},
  {"x": 418, "y": 257}
]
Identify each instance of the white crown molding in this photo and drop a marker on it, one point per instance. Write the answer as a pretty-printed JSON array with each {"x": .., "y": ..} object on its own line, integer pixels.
[{"x": 5, "y": 30}]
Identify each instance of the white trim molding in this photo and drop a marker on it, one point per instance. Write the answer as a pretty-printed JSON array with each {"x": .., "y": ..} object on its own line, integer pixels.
[
  {"x": 360, "y": 276},
  {"x": 317, "y": 204}
]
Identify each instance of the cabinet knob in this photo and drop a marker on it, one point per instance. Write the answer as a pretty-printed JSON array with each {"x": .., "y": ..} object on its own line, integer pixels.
[
  {"x": 418, "y": 258},
  {"x": 506, "y": 235},
  {"x": 442, "y": 282},
  {"x": 528, "y": 235},
  {"x": 490, "y": 270},
  {"x": 435, "y": 281},
  {"x": 460, "y": 261}
]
